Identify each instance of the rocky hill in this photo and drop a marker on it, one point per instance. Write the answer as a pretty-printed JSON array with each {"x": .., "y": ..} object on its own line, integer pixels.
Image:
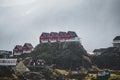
[
  {"x": 66, "y": 55},
  {"x": 110, "y": 58}
]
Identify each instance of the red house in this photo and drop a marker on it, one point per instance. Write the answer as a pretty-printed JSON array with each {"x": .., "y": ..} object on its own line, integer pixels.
[
  {"x": 17, "y": 50},
  {"x": 61, "y": 36},
  {"x": 71, "y": 36},
  {"x": 53, "y": 37},
  {"x": 44, "y": 37},
  {"x": 27, "y": 48}
]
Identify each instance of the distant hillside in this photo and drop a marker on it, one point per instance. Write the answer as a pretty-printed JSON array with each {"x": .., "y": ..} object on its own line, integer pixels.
[
  {"x": 64, "y": 55},
  {"x": 110, "y": 58}
]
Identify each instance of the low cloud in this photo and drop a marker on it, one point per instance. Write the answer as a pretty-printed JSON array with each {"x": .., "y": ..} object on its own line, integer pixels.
[{"x": 96, "y": 22}]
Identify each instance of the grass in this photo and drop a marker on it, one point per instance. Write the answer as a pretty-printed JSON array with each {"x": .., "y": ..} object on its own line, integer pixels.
[
  {"x": 114, "y": 77},
  {"x": 90, "y": 77},
  {"x": 93, "y": 77}
]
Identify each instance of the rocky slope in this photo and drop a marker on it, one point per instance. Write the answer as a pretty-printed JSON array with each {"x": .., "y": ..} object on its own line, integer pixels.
[
  {"x": 66, "y": 55},
  {"x": 110, "y": 58}
]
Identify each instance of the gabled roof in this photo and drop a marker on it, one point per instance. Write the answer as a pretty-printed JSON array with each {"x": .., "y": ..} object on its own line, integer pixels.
[
  {"x": 99, "y": 50},
  {"x": 46, "y": 34},
  {"x": 73, "y": 33},
  {"x": 96, "y": 50},
  {"x": 5, "y": 52},
  {"x": 19, "y": 47},
  {"x": 55, "y": 33},
  {"x": 116, "y": 38},
  {"x": 63, "y": 33},
  {"x": 29, "y": 45}
]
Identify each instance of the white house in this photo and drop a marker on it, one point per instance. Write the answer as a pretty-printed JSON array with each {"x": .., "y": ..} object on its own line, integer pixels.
[
  {"x": 8, "y": 62},
  {"x": 116, "y": 41}
]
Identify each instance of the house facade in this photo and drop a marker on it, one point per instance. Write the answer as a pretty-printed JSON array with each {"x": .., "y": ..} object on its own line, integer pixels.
[
  {"x": 6, "y": 58},
  {"x": 27, "y": 48},
  {"x": 116, "y": 42},
  {"x": 44, "y": 38},
  {"x": 17, "y": 50},
  {"x": 53, "y": 37},
  {"x": 70, "y": 36},
  {"x": 61, "y": 36}
]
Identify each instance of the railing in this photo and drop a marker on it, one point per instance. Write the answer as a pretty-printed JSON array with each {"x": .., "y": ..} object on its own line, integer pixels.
[
  {"x": 8, "y": 62},
  {"x": 76, "y": 39},
  {"x": 29, "y": 51},
  {"x": 17, "y": 53},
  {"x": 44, "y": 41}
]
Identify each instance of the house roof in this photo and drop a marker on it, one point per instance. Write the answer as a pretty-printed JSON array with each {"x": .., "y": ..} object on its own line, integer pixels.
[
  {"x": 99, "y": 50},
  {"x": 5, "y": 52},
  {"x": 46, "y": 34},
  {"x": 116, "y": 38},
  {"x": 19, "y": 47},
  {"x": 73, "y": 33},
  {"x": 63, "y": 33},
  {"x": 29, "y": 45},
  {"x": 96, "y": 50},
  {"x": 55, "y": 33}
]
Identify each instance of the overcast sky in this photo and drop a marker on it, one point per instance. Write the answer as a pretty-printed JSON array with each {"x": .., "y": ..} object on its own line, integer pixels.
[{"x": 96, "y": 22}]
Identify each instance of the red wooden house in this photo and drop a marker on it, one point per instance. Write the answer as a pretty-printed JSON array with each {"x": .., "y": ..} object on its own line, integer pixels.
[
  {"x": 53, "y": 37},
  {"x": 44, "y": 37},
  {"x": 71, "y": 36},
  {"x": 61, "y": 36},
  {"x": 17, "y": 50},
  {"x": 27, "y": 48}
]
